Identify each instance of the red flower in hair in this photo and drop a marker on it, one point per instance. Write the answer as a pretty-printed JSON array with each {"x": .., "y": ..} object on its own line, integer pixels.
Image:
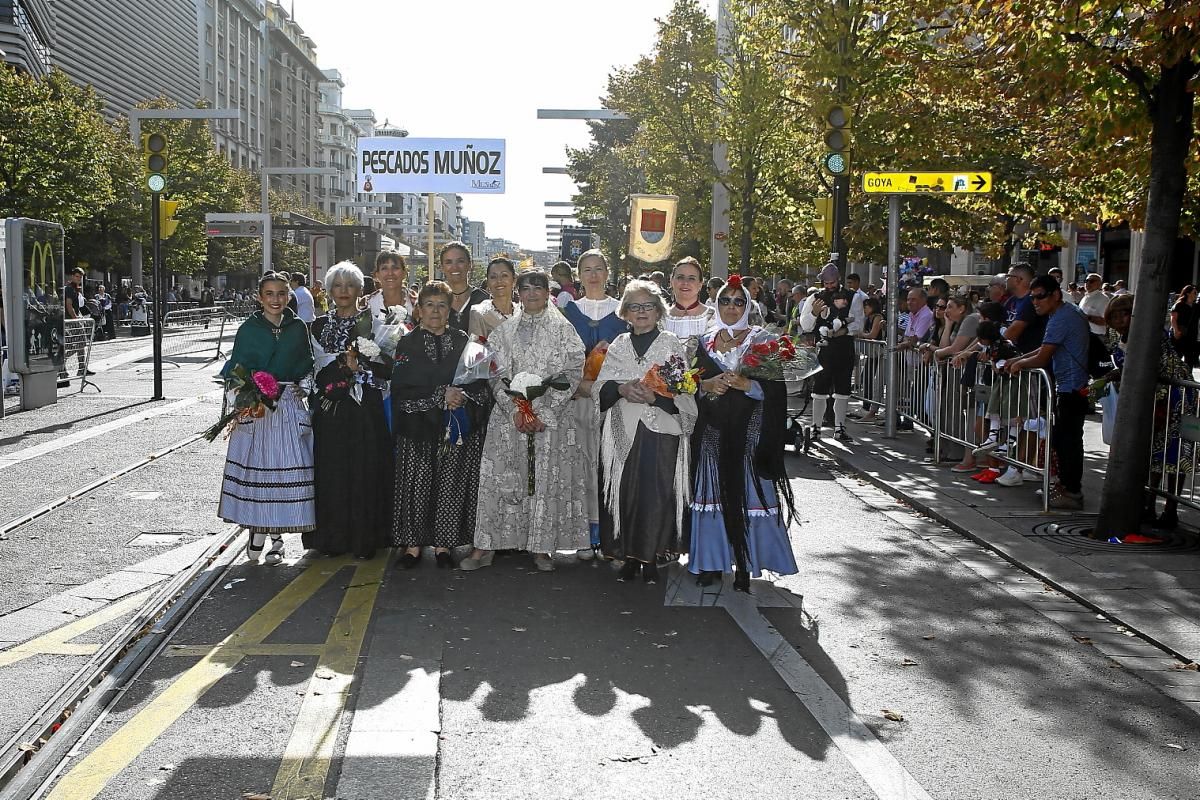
[{"x": 735, "y": 281}]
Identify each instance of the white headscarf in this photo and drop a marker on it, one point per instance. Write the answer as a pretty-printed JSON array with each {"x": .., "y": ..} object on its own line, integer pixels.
[{"x": 734, "y": 282}]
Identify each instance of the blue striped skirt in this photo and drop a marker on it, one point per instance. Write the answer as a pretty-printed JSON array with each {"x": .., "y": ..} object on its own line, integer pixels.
[{"x": 268, "y": 483}]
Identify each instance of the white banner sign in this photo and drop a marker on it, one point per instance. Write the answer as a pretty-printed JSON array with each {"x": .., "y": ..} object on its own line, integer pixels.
[{"x": 421, "y": 166}]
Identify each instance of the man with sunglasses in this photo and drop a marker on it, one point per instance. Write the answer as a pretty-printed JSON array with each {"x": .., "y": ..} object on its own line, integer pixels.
[
  {"x": 830, "y": 315},
  {"x": 1065, "y": 349}
]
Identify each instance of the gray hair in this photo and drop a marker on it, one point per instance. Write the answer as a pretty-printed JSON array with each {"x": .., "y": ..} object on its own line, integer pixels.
[
  {"x": 645, "y": 287},
  {"x": 347, "y": 273}
]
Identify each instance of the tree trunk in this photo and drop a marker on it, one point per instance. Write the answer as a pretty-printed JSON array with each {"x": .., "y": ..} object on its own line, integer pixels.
[
  {"x": 1129, "y": 452},
  {"x": 746, "y": 234}
]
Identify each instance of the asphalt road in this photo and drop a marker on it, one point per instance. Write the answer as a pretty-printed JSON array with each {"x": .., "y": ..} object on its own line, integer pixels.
[{"x": 904, "y": 662}]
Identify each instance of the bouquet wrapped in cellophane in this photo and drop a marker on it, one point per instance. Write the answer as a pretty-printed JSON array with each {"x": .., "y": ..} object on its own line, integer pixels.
[
  {"x": 524, "y": 388},
  {"x": 254, "y": 394}
]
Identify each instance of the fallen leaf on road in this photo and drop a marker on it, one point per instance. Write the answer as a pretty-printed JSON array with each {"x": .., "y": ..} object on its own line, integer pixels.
[
  {"x": 1082, "y": 639},
  {"x": 928, "y": 637},
  {"x": 660, "y": 646},
  {"x": 1193, "y": 666},
  {"x": 1175, "y": 746},
  {"x": 167, "y": 767},
  {"x": 908, "y": 662},
  {"x": 519, "y": 630},
  {"x": 255, "y": 796},
  {"x": 672, "y": 633},
  {"x": 405, "y": 658},
  {"x": 626, "y": 613},
  {"x": 323, "y": 674},
  {"x": 232, "y": 582},
  {"x": 297, "y": 663},
  {"x": 894, "y": 716}
]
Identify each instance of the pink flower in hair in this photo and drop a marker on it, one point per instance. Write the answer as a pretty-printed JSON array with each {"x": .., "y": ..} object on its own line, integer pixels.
[{"x": 266, "y": 384}]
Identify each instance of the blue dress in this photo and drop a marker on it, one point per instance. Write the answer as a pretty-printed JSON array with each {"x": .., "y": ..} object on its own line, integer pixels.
[
  {"x": 741, "y": 498},
  {"x": 593, "y": 331}
]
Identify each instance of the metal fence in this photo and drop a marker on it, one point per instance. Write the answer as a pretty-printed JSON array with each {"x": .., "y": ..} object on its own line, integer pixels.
[
  {"x": 193, "y": 332},
  {"x": 961, "y": 404},
  {"x": 77, "y": 346},
  {"x": 1173, "y": 451}
]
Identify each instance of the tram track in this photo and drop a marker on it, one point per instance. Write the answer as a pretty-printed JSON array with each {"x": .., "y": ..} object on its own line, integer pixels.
[{"x": 36, "y": 753}]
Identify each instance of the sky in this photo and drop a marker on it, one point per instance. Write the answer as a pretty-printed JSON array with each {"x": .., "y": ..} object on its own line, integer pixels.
[{"x": 481, "y": 69}]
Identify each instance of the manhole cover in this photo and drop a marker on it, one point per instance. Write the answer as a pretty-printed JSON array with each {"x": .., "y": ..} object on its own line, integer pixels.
[
  {"x": 1074, "y": 532},
  {"x": 155, "y": 539}
]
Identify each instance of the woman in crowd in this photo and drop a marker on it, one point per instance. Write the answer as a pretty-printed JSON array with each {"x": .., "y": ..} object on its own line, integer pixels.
[
  {"x": 740, "y": 485},
  {"x": 351, "y": 445},
  {"x": 961, "y": 324},
  {"x": 1171, "y": 455},
  {"x": 560, "y": 273},
  {"x": 532, "y": 501},
  {"x": 487, "y": 316},
  {"x": 439, "y": 430},
  {"x": 873, "y": 330},
  {"x": 1184, "y": 322},
  {"x": 391, "y": 276},
  {"x": 643, "y": 440},
  {"x": 268, "y": 482},
  {"x": 455, "y": 258},
  {"x": 688, "y": 317},
  {"x": 594, "y": 316}
]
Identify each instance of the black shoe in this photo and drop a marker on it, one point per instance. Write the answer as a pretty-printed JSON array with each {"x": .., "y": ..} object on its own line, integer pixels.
[
  {"x": 629, "y": 570},
  {"x": 708, "y": 577},
  {"x": 741, "y": 582},
  {"x": 1169, "y": 519},
  {"x": 841, "y": 435},
  {"x": 408, "y": 561},
  {"x": 444, "y": 561},
  {"x": 650, "y": 573},
  {"x": 89, "y": 372},
  {"x": 814, "y": 433}
]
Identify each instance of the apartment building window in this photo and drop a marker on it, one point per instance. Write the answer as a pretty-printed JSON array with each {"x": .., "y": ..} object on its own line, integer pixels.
[{"x": 208, "y": 34}]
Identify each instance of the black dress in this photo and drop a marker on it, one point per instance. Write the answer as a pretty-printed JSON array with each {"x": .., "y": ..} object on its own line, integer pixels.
[
  {"x": 461, "y": 319},
  {"x": 436, "y": 484},
  {"x": 351, "y": 452}
]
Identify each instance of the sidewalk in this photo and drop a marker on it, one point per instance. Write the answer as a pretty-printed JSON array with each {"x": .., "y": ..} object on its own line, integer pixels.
[{"x": 1153, "y": 590}]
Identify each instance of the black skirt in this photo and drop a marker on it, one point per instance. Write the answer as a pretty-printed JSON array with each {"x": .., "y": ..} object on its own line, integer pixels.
[
  {"x": 352, "y": 452},
  {"x": 647, "y": 500}
]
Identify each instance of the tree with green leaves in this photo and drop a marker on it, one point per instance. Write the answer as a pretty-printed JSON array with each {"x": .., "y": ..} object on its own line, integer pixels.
[{"x": 57, "y": 154}]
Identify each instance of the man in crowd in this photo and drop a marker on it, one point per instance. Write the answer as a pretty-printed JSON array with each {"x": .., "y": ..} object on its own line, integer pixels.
[
  {"x": 306, "y": 309},
  {"x": 939, "y": 289},
  {"x": 1094, "y": 303},
  {"x": 828, "y": 314},
  {"x": 854, "y": 284},
  {"x": 1057, "y": 274},
  {"x": 1064, "y": 348},
  {"x": 920, "y": 319}
]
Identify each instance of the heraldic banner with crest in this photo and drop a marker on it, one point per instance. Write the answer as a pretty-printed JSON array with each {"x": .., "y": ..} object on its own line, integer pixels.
[{"x": 652, "y": 226}]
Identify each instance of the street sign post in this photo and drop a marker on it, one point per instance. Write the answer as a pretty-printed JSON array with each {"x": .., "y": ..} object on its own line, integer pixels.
[
  {"x": 220, "y": 226},
  {"x": 965, "y": 182}
]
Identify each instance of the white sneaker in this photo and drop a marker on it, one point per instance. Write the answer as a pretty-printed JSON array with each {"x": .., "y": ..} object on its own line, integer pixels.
[
  {"x": 585, "y": 554},
  {"x": 1011, "y": 477},
  {"x": 989, "y": 444},
  {"x": 1033, "y": 477}
]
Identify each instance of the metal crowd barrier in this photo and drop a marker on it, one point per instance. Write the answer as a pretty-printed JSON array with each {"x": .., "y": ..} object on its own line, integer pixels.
[
  {"x": 237, "y": 309},
  {"x": 77, "y": 335},
  {"x": 936, "y": 399},
  {"x": 191, "y": 332},
  {"x": 1173, "y": 453}
]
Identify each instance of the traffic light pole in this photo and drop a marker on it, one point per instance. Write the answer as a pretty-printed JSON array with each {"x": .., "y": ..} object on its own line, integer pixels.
[{"x": 156, "y": 249}]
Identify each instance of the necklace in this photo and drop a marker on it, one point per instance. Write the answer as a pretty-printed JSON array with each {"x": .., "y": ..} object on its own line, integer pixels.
[
  {"x": 687, "y": 308},
  {"x": 460, "y": 294}
]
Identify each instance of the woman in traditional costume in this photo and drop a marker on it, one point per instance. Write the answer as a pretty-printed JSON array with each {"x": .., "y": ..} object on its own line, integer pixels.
[
  {"x": 455, "y": 258},
  {"x": 391, "y": 277},
  {"x": 268, "y": 482},
  {"x": 439, "y": 431},
  {"x": 594, "y": 315},
  {"x": 531, "y": 494},
  {"x": 352, "y": 447},
  {"x": 688, "y": 317},
  {"x": 487, "y": 316},
  {"x": 643, "y": 440},
  {"x": 742, "y": 502}
]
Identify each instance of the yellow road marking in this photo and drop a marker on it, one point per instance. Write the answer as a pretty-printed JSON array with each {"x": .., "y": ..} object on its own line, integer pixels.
[
  {"x": 57, "y": 642},
  {"x": 201, "y": 650},
  {"x": 89, "y": 777},
  {"x": 309, "y": 751}
]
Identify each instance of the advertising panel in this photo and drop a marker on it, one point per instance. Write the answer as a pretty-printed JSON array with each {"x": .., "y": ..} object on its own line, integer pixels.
[
  {"x": 35, "y": 279},
  {"x": 421, "y": 166}
]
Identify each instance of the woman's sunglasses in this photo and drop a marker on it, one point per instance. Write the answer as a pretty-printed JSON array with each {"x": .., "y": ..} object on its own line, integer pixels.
[{"x": 740, "y": 302}]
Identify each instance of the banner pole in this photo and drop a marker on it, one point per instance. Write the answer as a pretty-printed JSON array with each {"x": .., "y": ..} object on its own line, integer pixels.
[{"x": 429, "y": 235}]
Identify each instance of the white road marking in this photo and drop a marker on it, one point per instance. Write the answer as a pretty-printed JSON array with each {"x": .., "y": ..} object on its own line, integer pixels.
[
  {"x": 72, "y": 439},
  {"x": 879, "y": 769}
]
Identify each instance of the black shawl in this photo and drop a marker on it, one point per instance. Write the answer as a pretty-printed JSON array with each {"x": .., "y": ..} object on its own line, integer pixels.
[{"x": 425, "y": 366}]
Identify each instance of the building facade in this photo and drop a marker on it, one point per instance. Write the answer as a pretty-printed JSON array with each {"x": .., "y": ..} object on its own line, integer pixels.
[
  {"x": 338, "y": 149},
  {"x": 293, "y": 80},
  {"x": 27, "y": 35},
  {"x": 231, "y": 41}
]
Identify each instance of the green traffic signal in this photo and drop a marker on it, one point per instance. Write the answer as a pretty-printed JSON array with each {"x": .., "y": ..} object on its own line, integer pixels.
[{"x": 835, "y": 163}]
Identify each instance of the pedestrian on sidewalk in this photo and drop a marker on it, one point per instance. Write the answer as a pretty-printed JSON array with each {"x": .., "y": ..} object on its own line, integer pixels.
[
  {"x": 644, "y": 437},
  {"x": 1065, "y": 349},
  {"x": 306, "y": 309},
  {"x": 1171, "y": 456},
  {"x": 268, "y": 483},
  {"x": 829, "y": 315},
  {"x": 740, "y": 485},
  {"x": 436, "y": 478},
  {"x": 351, "y": 444}
]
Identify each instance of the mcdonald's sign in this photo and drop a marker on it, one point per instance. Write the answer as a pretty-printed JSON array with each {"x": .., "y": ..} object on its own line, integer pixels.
[
  {"x": 33, "y": 283},
  {"x": 40, "y": 265}
]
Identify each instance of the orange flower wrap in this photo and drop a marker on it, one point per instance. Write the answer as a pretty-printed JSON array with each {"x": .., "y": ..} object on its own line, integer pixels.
[
  {"x": 595, "y": 360},
  {"x": 653, "y": 381},
  {"x": 525, "y": 409}
]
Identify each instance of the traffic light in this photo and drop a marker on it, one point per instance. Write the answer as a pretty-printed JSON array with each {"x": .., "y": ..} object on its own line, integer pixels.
[
  {"x": 154, "y": 153},
  {"x": 837, "y": 141},
  {"x": 823, "y": 221},
  {"x": 166, "y": 223}
]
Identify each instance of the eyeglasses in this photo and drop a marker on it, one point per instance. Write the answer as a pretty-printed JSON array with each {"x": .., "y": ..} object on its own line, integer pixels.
[
  {"x": 1035, "y": 297},
  {"x": 740, "y": 302},
  {"x": 637, "y": 308},
  {"x": 941, "y": 306}
]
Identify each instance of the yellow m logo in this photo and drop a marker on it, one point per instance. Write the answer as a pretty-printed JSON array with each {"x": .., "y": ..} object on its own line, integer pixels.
[{"x": 41, "y": 265}]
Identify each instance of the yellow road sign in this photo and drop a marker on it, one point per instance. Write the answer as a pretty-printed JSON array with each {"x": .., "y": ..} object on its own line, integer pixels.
[{"x": 927, "y": 182}]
